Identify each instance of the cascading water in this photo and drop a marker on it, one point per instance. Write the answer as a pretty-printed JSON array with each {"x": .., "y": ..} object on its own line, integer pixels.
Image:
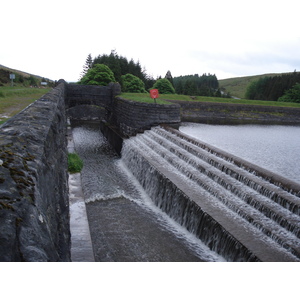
[
  {"x": 242, "y": 216},
  {"x": 124, "y": 223}
]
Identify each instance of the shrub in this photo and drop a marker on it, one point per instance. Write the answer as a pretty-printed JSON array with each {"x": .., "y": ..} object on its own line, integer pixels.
[
  {"x": 98, "y": 75},
  {"x": 75, "y": 164},
  {"x": 164, "y": 86},
  {"x": 132, "y": 84},
  {"x": 291, "y": 95}
]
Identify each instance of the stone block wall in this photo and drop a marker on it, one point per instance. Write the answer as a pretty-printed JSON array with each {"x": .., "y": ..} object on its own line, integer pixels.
[
  {"x": 89, "y": 102},
  {"x": 230, "y": 113},
  {"x": 132, "y": 117},
  {"x": 91, "y": 94},
  {"x": 34, "y": 204}
]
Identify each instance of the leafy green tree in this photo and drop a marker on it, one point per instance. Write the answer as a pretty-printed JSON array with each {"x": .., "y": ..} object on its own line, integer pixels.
[
  {"x": 132, "y": 84},
  {"x": 291, "y": 95},
  {"x": 164, "y": 86},
  {"x": 98, "y": 75}
]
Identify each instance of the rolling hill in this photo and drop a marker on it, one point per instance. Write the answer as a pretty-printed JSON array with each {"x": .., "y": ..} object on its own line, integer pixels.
[
  {"x": 237, "y": 87},
  {"x": 22, "y": 77}
]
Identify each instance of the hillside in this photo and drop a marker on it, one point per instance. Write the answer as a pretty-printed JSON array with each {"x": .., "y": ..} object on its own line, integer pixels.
[
  {"x": 237, "y": 86},
  {"x": 22, "y": 78}
]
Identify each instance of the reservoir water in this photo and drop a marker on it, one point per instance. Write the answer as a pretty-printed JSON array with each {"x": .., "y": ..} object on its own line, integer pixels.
[{"x": 275, "y": 148}]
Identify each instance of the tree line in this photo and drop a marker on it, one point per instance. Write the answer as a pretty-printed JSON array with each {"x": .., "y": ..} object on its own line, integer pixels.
[
  {"x": 120, "y": 66},
  {"x": 195, "y": 85},
  {"x": 275, "y": 88},
  {"x": 123, "y": 70}
]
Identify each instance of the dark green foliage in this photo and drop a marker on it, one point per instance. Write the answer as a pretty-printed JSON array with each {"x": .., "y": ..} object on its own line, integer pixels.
[
  {"x": 195, "y": 85},
  {"x": 291, "y": 95},
  {"x": 272, "y": 88},
  {"x": 164, "y": 86},
  {"x": 132, "y": 84},
  {"x": 99, "y": 74},
  {"x": 75, "y": 163},
  {"x": 33, "y": 81},
  {"x": 121, "y": 66}
]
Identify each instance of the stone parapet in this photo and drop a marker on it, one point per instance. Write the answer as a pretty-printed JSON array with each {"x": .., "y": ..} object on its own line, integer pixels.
[{"x": 34, "y": 205}]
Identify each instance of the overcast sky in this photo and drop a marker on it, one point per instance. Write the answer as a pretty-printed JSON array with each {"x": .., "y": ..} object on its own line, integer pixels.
[{"x": 228, "y": 38}]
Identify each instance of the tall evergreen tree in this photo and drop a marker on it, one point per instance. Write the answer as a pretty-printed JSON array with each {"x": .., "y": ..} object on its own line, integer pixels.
[
  {"x": 169, "y": 77},
  {"x": 88, "y": 65}
]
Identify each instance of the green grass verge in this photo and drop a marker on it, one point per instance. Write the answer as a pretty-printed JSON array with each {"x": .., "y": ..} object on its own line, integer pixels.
[
  {"x": 14, "y": 99},
  {"x": 75, "y": 164},
  {"x": 142, "y": 97},
  {"x": 164, "y": 100}
]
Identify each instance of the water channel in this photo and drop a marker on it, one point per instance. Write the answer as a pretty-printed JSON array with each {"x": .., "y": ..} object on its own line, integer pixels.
[
  {"x": 275, "y": 148},
  {"x": 124, "y": 223}
]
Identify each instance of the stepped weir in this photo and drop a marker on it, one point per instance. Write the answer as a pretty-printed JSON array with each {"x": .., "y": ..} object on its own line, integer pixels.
[{"x": 239, "y": 210}]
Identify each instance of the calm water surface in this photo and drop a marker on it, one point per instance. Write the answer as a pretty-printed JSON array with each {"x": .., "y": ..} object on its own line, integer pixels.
[{"x": 276, "y": 148}]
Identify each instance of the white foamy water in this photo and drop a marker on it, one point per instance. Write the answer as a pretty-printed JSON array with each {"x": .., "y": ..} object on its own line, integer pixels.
[{"x": 106, "y": 177}]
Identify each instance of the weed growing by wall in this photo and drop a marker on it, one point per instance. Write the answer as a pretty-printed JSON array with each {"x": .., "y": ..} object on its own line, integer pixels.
[{"x": 75, "y": 164}]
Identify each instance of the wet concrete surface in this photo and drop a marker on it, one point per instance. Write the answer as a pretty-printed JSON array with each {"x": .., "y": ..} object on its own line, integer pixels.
[
  {"x": 122, "y": 231},
  {"x": 81, "y": 243}
]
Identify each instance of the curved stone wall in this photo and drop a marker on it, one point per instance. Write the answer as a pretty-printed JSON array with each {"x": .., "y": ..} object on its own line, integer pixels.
[
  {"x": 132, "y": 117},
  {"x": 230, "y": 113}
]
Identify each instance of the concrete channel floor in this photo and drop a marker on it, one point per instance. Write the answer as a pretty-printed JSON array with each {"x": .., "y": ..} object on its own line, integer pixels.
[
  {"x": 119, "y": 230},
  {"x": 122, "y": 231}
]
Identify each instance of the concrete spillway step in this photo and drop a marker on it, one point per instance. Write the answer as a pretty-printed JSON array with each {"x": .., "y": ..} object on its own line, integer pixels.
[
  {"x": 213, "y": 167},
  {"x": 239, "y": 202}
]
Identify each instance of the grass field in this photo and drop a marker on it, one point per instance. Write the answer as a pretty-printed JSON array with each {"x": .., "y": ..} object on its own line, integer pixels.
[
  {"x": 163, "y": 99},
  {"x": 14, "y": 99}
]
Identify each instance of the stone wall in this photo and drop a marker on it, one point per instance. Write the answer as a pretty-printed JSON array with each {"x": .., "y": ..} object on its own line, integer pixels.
[
  {"x": 230, "y": 113},
  {"x": 34, "y": 205},
  {"x": 132, "y": 117}
]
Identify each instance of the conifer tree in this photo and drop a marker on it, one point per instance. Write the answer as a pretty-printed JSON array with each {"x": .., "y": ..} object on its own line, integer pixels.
[
  {"x": 169, "y": 77},
  {"x": 88, "y": 65}
]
